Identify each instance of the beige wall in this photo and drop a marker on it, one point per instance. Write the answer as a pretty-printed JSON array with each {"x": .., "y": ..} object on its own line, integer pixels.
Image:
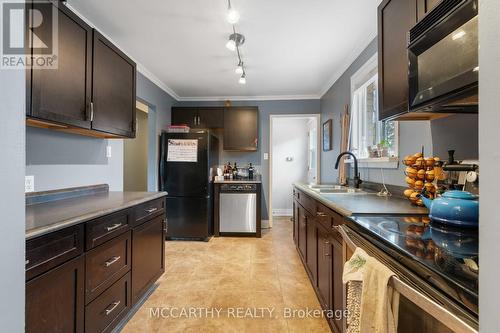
[{"x": 135, "y": 157}]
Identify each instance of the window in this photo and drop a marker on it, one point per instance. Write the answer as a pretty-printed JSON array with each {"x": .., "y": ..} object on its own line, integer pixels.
[{"x": 370, "y": 138}]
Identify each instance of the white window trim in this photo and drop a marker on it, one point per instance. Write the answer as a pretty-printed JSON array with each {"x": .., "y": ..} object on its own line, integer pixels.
[{"x": 380, "y": 162}]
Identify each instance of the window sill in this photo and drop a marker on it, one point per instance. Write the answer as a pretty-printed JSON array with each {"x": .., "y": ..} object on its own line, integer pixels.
[{"x": 379, "y": 162}]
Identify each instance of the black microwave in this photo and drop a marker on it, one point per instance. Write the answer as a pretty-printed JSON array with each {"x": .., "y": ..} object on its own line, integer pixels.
[{"x": 443, "y": 59}]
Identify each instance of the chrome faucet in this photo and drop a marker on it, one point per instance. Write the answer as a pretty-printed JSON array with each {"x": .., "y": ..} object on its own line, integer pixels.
[{"x": 357, "y": 179}]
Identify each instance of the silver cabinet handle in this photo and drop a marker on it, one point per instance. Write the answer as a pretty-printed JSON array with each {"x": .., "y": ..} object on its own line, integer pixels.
[
  {"x": 150, "y": 210},
  {"x": 112, "y": 307},
  {"x": 114, "y": 226},
  {"x": 27, "y": 261},
  {"x": 327, "y": 254},
  {"x": 91, "y": 111},
  {"x": 112, "y": 261},
  {"x": 320, "y": 214}
]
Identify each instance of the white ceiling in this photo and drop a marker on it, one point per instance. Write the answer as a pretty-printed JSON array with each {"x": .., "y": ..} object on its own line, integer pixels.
[{"x": 293, "y": 48}]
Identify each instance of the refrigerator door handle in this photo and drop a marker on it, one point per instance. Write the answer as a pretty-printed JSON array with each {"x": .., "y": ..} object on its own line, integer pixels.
[{"x": 162, "y": 162}]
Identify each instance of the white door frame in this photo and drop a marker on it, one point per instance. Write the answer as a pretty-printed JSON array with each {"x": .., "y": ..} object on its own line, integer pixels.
[{"x": 318, "y": 155}]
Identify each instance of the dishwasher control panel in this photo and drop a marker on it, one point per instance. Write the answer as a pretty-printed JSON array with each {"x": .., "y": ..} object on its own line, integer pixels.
[{"x": 238, "y": 188}]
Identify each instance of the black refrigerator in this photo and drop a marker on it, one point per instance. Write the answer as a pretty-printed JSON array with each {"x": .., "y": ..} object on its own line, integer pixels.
[{"x": 188, "y": 162}]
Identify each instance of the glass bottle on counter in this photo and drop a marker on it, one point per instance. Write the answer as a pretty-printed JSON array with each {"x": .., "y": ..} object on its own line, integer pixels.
[
  {"x": 250, "y": 171},
  {"x": 228, "y": 171},
  {"x": 235, "y": 171}
]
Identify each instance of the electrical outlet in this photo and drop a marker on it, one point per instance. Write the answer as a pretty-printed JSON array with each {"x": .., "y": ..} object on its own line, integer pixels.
[
  {"x": 108, "y": 151},
  {"x": 266, "y": 156},
  {"x": 29, "y": 184}
]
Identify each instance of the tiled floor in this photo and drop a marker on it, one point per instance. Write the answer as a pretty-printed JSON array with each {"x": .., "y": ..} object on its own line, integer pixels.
[{"x": 231, "y": 273}]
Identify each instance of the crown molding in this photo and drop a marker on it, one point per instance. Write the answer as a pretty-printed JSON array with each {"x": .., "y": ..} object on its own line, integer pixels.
[
  {"x": 140, "y": 67},
  {"x": 249, "y": 98},
  {"x": 356, "y": 52}
]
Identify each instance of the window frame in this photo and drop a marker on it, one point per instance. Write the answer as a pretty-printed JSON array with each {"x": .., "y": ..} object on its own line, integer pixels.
[{"x": 361, "y": 78}]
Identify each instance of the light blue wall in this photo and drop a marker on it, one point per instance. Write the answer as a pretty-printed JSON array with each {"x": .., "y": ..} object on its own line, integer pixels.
[
  {"x": 12, "y": 207},
  {"x": 459, "y": 132},
  {"x": 266, "y": 108},
  {"x": 61, "y": 160}
]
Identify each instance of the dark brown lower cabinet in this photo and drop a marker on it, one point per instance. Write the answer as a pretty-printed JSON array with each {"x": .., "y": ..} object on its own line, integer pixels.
[
  {"x": 55, "y": 300},
  {"x": 302, "y": 232},
  {"x": 103, "y": 313},
  {"x": 324, "y": 268},
  {"x": 295, "y": 222},
  {"x": 337, "y": 289},
  {"x": 312, "y": 249},
  {"x": 148, "y": 242}
]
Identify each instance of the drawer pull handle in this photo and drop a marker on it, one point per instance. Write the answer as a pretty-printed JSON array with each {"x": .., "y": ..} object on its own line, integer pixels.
[
  {"x": 27, "y": 261},
  {"x": 112, "y": 308},
  {"x": 112, "y": 261},
  {"x": 320, "y": 214},
  {"x": 114, "y": 226},
  {"x": 151, "y": 210}
]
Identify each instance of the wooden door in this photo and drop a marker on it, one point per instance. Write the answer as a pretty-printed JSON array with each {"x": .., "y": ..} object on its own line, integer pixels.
[
  {"x": 324, "y": 268},
  {"x": 55, "y": 300},
  {"x": 63, "y": 94},
  {"x": 312, "y": 249},
  {"x": 211, "y": 117},
  {"x": 395, "y": 18},
  {"x": 148, "y": 262},
  {"x": 302, "y": 225},
  {"x": 113, "y": 89},
  {"x": 185, "y": 116},
  {"x": 337, "y": 290},
  {"x": 241, "y": 128}
]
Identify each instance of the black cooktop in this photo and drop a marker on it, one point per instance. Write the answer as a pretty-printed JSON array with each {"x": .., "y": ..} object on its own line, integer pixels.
[{"x": 450, "y": 254}]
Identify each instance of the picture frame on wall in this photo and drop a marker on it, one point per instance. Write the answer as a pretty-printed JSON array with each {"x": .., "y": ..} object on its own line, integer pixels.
[{"x": 327, "y": 135}]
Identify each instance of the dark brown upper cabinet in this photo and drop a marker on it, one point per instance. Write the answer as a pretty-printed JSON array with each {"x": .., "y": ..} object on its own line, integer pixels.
[
  {"x": 113, "y": 89},
  {"x": 62, "y": 95},
  {"x": 395, "y": 18},
  {"x": 241, "y": 128},
  {"x": 92, "y": 91},
  {"x": 194, "y": 117}
]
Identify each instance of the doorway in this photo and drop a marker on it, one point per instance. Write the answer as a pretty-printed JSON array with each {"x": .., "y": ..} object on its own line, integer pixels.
[
  {"x": 135, "y": 153},
  {"x": 294, "y": 157}
]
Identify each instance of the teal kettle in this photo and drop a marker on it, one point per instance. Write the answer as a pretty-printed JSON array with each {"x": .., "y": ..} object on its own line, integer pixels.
[{"x": 455, "y": 208}]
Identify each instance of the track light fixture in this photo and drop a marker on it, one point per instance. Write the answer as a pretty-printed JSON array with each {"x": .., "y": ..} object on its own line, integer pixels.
[
  {"x": 239, "y": 68},
  {"x": 235, "y": 40},
  {"x": 243, "y": 78},
  {"x": 233, "y": 16}
]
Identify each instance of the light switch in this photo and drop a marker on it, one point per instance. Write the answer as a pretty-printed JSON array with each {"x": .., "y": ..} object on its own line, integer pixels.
[
  {"x": 29, "y": 184},
  {"x": 108, "y": 151}
]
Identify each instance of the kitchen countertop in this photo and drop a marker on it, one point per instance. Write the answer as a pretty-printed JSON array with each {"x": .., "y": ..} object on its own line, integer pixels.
[
  {"x": 238, "y": 181},
  {"x": 46, "y": 217},
  {"x": 369, "y": 203}
]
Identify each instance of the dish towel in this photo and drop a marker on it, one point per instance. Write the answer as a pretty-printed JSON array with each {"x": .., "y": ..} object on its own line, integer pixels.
[{"x": 371, "y": 302}]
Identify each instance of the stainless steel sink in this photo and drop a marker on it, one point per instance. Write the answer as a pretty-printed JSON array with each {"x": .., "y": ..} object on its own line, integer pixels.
[{"x": 335, "y": 189}]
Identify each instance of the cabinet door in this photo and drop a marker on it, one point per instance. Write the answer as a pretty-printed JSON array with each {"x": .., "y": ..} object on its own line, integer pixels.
[
  {"x": 312, "y": 250},
  {"x": 185, "y": 116},
  {"x": 425, "y": 6},
  {"x": 296, "y": 223},
  {"x": 241, "y": 128},
  {"x": 55, "y": 300},
  {"x": 63, "y": 95},
  {"x": 337, "y": 289},
  {"x": 148, "y": 256},
  {"x": 113, "y": 89},
  {"x": 302, "y": 239},
  {"x": 324, "y": 268},
  {"x": 211, "y": 117},
  {"x": 395, "y": 18}
]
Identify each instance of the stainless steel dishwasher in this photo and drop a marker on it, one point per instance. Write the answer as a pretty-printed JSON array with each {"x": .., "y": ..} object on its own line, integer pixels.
[{"x": 238, "y": 208}]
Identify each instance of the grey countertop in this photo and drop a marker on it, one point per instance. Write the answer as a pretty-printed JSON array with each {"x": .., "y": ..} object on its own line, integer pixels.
[
  {"x": 45, "y": 217},
  {"x": 238, "y": 181},
  {"x": 369, "y": 203}
]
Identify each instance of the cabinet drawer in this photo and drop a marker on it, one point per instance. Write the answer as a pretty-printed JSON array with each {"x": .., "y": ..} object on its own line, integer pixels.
[
  {"x": 308, "y": 203},
  {"x": 324, "y": 216},
  {"x": 48, "y": 251},
  {"x": 144, "y": 212},
  {"x": 105, "y": 311},
  {"x": 107, "y": 227},
  {"x": 106, "y": 264}
]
